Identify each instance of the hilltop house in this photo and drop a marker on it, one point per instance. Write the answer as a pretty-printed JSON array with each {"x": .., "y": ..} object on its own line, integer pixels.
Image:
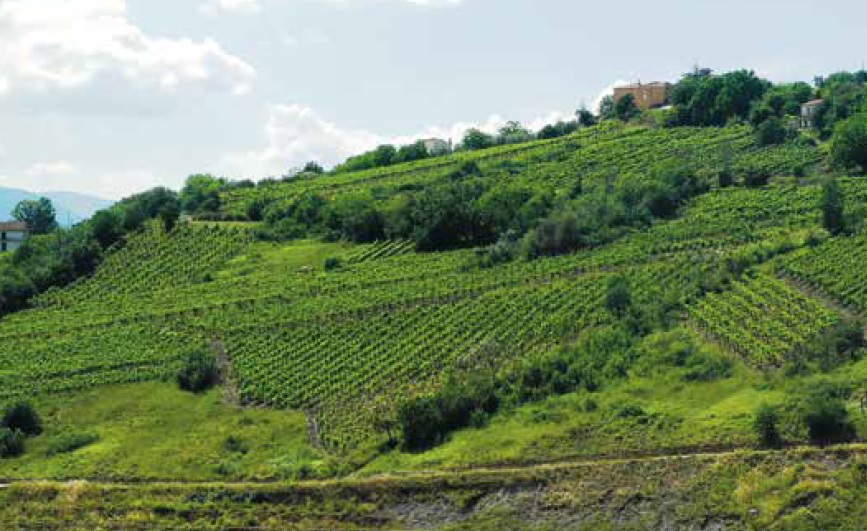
[
  {"x": 808, "y": 113},
  {"x": 12, "y": 235},
  {"x": 436, "y": 146},
  {"x": 647, "y": 96}
]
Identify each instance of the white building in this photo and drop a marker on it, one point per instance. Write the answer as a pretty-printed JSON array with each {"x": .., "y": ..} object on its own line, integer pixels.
[
  {"x": 437, "y": 146},
  {"x": 12, "y": 235},
  {"x": 808, "y": 113}
]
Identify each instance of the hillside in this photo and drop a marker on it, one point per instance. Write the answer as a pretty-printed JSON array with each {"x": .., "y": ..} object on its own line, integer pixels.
[{"x": 661, "y": 339}]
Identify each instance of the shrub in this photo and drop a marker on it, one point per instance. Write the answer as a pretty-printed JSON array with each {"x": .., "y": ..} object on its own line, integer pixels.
[
  {"x": 11, "y": 443},
  {"x": 70, "y": 442},
  {"x": 849, "y": 143},
  {"x": 332, "y": 263},
  {"x": 825, "y": 416},
  {"x": 756, "y": 178},
  {"x": 618, "y": 296},
  {"x": 22, "y": 417},
  {"x": 771, "y": 132},
  {"x": 198, "y": 373},
  {"x": 765, "y": 425},
  {"x": 235, "y": 445}
]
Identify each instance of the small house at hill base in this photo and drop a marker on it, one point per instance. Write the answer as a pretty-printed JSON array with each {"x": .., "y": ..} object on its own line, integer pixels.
[
  {"x": 809, "y": 111},
  {"x": 12, "y": 235},
  {"x": 646, "y": 95}
]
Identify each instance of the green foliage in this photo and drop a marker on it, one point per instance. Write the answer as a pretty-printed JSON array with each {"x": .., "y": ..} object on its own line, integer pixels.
[
  {"x": 824, "y": 414},
  {"x": 201, "y": 193},
  {"x": 425, "y": 421},
  {"x": 712, "y": 100},
  {"x": 22, "y": 416},
  {"x": 625, "y": 108},
  {"x": 832, "y": 207},
  {"x": 70, "y": 442},
  {"x": 618, "y": 296},
  {"x": 849, "y": 143},
  {"x": 199, "y": 372},
  {"x": 585, "y": 117},
  {"x": 235, "y": 445},
  {"x": 332, "y": 263},
  {"x": 766, "y": 426},
  {"x": 771, "y": 132},
  {"x": 11, "y": 443},
  {"x": 39, "y": 215},
  {"x": 475, "y": 140}
]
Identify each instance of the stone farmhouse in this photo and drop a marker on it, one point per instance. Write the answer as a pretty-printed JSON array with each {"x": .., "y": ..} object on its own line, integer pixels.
[
  {"x": 808, "y": 113},
  {"x": 437, "y": 146},
  {"x": 646, "y": 95},
  {"x": 12, "y": 235}
]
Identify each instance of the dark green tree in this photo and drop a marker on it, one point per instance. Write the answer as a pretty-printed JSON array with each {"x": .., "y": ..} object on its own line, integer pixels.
[
  {"x": 585, "y": 117},
  {"x": 199, "y": 372},
  {"x": 38, "y": 214},
  {"x": 833, "y": 217},
  {"x": 476, "y": 139},
  {"x": 22, "y": 416},
  {"x": 625, "y": 108},
  {"x": 765, "y": 425},
  {"x": 618, "y": 295},
  {"x": 849, "y": 143}
]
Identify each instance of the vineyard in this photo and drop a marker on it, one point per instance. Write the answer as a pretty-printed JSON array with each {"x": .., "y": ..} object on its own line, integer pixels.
[
  {"x": 595, "y": 155},
  {"x": 762, "y": 319},
  {"x": 339, "y": 341}
]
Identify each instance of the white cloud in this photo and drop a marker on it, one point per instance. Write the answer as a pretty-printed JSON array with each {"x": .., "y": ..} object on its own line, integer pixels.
[
  {"x": 607, "y": 91},
  {"x": 295, "y": 134},
  {"x": 247, "y": 7},
  {"x": 52, "y": 46},
  {"x": 250, "y": 7},
  {"x": 56, "y": 168}
]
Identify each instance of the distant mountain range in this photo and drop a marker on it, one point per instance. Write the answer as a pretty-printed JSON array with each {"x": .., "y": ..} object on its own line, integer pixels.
[{"x": 71, "y": 207}]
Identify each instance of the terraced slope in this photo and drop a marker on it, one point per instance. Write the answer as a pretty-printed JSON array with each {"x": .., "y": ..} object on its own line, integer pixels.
[
  {"x": 594, "y": 155},
  {"x": 338, "y": 343}
]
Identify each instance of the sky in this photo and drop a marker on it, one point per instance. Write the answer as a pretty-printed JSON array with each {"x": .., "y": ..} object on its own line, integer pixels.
[{"x": 111, "y": 97}]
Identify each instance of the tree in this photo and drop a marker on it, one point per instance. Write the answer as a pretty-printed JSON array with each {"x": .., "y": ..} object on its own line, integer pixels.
[
  {"x": 618, "y": 296},
  {"x": 106, "y": 227},
  {"x": 826, "y": 418},
  {"x": 585, "y": 117},
  {"x": 849, "y": 143},
  {"x": 514, "y": 132},
  {"x": 39, "y": 215},
  {"x": 313, "y": 167},
  {"x": 22, "y": 417},
  {"x": 201, "y": 193},
  {"x": 832, "y": 207},
  {"x": 476, "y": 139},
  {"x": 771, "y": 132},
  {"x": 606, "y": 108},
  {"x": 625, "y": 108},
  {"x": 765, "y": 425}
]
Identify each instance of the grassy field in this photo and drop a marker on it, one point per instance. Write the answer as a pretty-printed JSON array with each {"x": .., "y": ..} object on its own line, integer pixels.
[{"x": 154, "y": 431}]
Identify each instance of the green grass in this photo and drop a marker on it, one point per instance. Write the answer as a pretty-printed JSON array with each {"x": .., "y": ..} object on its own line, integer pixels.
[
  {"x": 680, "y": 417},
  {"x": 153, "y": 430},
  {"x": 281, "y": 258}
]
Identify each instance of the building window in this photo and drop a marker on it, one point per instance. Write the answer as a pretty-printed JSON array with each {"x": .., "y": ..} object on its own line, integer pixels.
[{"x": 3, "y": 247}]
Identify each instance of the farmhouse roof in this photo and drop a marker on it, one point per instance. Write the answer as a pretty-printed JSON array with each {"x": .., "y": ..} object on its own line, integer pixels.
[
  {"x": 640, "y": 85},
  {"x": 813, "y": 103},
  {"x": 13, "y": 226}
]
